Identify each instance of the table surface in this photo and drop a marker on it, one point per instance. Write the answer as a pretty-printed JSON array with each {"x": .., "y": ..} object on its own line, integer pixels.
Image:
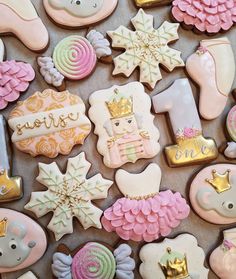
[{"x": 208, "y": 235}]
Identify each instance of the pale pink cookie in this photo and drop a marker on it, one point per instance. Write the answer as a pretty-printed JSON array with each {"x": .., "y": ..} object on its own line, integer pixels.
[
  {"x": 22, "y": 241},
  {"x": 124, "y": 124},
  {"x": 74, "y": 14},
  {"x": 230, "y": 151},
  {"x": 144, "y": 213},
  {"x": 212, "y": 67},
  {"x": 21, "y": 19},
  {"x": 49, "y": 123},
  {"x": 213, "y": 194},
  {"x": 191, "y": 147}
]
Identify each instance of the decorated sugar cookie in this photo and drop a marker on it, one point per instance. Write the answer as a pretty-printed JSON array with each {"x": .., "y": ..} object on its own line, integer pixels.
[
  {"x": 49, "y": 123},
  {"x": 144, "y": 213},
  {"x": 191, "y": 147},
  {"x": 10, "y": 187},
  {"x": 22, "y": 241},
  {"x": 213, "y": 194},
  {"x": 74, "y": 58},
  {"x": 176, "y": 258},
  {"x": 69, "y": 195},
  {"x": 21, "y": 19},
  {"x": 146, "y": 48},
  {"x": 2, "y": 50},
  {"x": 230, "y": 151},
  {"x": 151, "y": 3},
  {"x": 212, "y": 67},
  {"x": 94, "y": 260},
  {"x": 124, "y": 124},
  {"x": 74, "y": 14},
  {"x": 27, "y": 275}
]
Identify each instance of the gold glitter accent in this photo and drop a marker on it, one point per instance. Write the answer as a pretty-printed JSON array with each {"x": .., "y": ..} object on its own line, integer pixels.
[
  {"x": 220, "y": 182},
  {"x": 139, "y": 198},
  {"x": 151, "y": 3},
  {"x": 3, "y": 227}
]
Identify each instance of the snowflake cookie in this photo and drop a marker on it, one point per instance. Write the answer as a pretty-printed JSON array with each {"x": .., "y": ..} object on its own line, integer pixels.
[
  {"x": 69, "y": 195},
  {"x": 146, "y": 48}
]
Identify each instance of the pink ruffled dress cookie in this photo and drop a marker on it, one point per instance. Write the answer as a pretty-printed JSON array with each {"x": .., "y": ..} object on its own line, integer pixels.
[
  {"x": 144, "y": 213},
  {"x": 210, "y": 16}
]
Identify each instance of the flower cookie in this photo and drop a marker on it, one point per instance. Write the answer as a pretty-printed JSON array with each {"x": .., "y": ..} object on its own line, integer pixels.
[
  {"x": 74, "y": 58},
  {"x": 69, "y": 195},
  {"x": 230, "y": 151},
  {"x": 146, "y": 48},
  {"x": 213, "y": 194},
  {"x": 205, "y": 16},
  {"x": 124, "y": 124},
  {"x": 212, "y": 67},
  {"x": 21, "y": 19},
  {"x": 94, "y": 260},
  {"x": 77, "y": 14},
  {"x": 180, "y": 257},
  {"x": 191, "y": 147},
  {"x": 22, "y": 241},
  {"x": 49, "y": 123},
  {"x": 151, "y": 3},
  {"x": 144, "y": 213}
]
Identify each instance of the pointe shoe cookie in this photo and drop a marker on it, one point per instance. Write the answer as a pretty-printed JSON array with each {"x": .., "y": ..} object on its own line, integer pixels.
[
  {"x": 21, "y": 19},
  {"x": 212, "y": 67}
]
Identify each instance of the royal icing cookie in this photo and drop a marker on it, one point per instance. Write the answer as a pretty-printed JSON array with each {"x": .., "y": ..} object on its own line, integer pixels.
[
  {"x": 124, "y": 124},
  {"x": 49, "y": 123},
  {"x": 176, "y": 258},
  {"x": 21, "y": 19},
  {"x": 10, "y": 187},
  {"x": 146, "y": 48},
  {"x": 2, "y": 50},
  {"x": 144, "y": 213},
  {"x": 209, "y": 16},
  {"x": 81, "y": 13},
  {"x": 212, "y": 67},
  {"x": 222, "y": 259},
  {"x": 230, "y": 151},
  {"x": 151, "y": 3},
  {"x": 74, "y": 58},
  {"x": 191, "y": 147},
  {"x": 27, "y": 275},
  {"x": 69, "y": 195},
  {"x": 22, "y": 241},
  {"x": 94, "y": 261}
]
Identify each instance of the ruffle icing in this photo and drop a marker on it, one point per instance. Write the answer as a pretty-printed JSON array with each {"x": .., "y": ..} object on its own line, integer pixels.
[{"x": 148, "y": 219}]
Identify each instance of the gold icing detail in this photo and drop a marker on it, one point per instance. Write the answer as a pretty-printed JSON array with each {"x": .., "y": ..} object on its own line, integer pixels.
[
  {"x": 3, "y": 227},
  {"x": 139, "y": 198},
  {"x": 10, "y": 187},
  {"x": 220, "y": 182},
  {"x": 151, "y": 3}
]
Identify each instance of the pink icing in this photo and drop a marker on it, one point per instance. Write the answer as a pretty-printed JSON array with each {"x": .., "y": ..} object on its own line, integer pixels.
[
  {"x": 148, "y": 219},
  {"x": 206, "y": 15},
  {"x": 14, "y": 79}
]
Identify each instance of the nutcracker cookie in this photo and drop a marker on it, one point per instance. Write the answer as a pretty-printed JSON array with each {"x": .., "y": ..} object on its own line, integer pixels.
[
  {"x": 212, "y": 67},
  {"x": 146, "y": 48},
  {"x": 69, "y": 195},
  {"x": 77, "y": 14},
  {"x": 230, "y": 151},
  {"x": 74, "y": 58},
  {"x": 151, "y": 3},
  {"x": 49, "y": 123},
  {"x": 191, "y": 147},
  {"x": 213, "y": 194},
  {"x": 176, "y": 258},
  {"x": 145, "y": 212},
  {"x": 21, "y": 19},
  {"x": 124, "y": 124},
  {"x": 94, "y": 260},
  {"x": 22, "y": 241}
]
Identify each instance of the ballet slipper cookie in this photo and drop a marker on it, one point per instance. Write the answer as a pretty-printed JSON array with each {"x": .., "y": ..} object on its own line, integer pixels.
[
  {"x": 77, "y": 14},
  {"x": 69, "y": 195},
  {"x": 151, "y": 3},
  {"x": 49, "y": 123},
  {"x": 191, "y": 147},
  {"x": 22, "y": 241},
  {"x": 74, "y": 58},
  {"x": 230, "y": 151},
  {"x": 205, "y": 16},
  {"x": 146, "y": 48},
  {"x": 124, "y": 124},
  {"x": 213, "y": 194},
  {"x": 94, "y": 261},
  {"x": 10, "y": 187},
  {"x": 27, "y": 275},
  {"x": 21, "y": 19},
  {"x": 222, "y": 259},
  {"x": 144, "y": 213},
  {"x": 212, "y": 67},
  {"x": 176, "y": 258}
]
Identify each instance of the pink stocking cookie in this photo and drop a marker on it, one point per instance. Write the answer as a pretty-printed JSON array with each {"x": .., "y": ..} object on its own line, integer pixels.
[
  {"x": 191, "y": 146},
  {"x": 212, "y": 67}
]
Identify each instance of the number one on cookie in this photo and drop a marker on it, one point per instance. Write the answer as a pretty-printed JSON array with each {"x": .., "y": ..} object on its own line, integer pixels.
[{"x": 191, "y": 147}]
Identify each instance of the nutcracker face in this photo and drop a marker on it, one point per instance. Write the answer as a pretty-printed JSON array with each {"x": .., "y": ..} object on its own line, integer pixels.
[{"x": 124, "y": 125}]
